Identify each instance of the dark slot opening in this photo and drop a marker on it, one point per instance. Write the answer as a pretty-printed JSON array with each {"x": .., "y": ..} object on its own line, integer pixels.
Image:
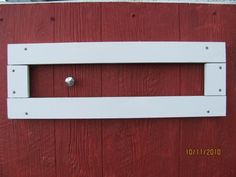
[{"x": 95, "y": 80}]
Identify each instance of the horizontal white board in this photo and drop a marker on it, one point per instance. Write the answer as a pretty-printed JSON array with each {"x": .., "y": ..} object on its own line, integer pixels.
[
  {"x": 116, "y": 52},
  {"x": 116, "y": 107}
]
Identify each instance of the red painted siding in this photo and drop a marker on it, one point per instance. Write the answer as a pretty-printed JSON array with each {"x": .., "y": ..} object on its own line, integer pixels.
[{"x": 117, "y": 148}]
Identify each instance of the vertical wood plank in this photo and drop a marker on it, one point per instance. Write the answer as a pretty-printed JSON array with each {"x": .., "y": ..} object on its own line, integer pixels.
[
  {"x": 26, "y": 147},
  {"x": 130, "y": 147},
  {"x": 140, "y": 147},
  {"x": 78, "y": 142},
  {"x": 209, "y": 23}
]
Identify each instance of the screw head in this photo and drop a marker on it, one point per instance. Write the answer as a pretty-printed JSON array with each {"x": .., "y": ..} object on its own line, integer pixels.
[{"x": 70, "y": 81}]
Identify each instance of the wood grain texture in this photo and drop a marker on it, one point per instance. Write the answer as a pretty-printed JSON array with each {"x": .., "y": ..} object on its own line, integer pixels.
[
  {"x": 209, "y": 23},
  {"x": 148, "y": 147},
  {"x": 78, "y": 142},
  {"x": 26, "y": 147},
  {"x": 117, "y": 148}
]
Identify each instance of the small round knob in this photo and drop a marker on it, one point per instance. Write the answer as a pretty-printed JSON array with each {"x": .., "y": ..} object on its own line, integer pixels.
[{"x": 70, "y": 81}]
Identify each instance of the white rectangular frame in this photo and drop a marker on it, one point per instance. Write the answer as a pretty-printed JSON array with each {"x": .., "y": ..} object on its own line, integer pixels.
[{"x": 211, "y": 54}]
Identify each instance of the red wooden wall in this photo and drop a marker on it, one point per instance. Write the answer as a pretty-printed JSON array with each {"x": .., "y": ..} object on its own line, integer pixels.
[{"x": 118, "y": 148}]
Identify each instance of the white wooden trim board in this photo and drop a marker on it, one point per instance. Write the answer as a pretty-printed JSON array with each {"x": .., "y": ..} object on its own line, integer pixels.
[{"x": 211, "y": 54}]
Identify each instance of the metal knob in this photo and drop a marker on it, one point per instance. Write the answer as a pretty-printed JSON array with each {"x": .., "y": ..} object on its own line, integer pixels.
[{"x": 70, "y": 81}]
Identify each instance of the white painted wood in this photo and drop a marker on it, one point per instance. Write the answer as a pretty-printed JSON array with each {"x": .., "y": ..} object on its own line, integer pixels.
[
  {"x": 18, "y": 81},
  {"x": 212, "y": 54},
  {"x": 233, "y": 2},
  {"x": 215, "y": 79},
  {"x": 116, "y": 52},
  {"x": 116, "y": 107}
]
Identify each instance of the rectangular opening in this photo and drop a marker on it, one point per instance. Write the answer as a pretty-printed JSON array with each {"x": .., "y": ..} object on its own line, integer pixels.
[{"x": 102, "y": 80}]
